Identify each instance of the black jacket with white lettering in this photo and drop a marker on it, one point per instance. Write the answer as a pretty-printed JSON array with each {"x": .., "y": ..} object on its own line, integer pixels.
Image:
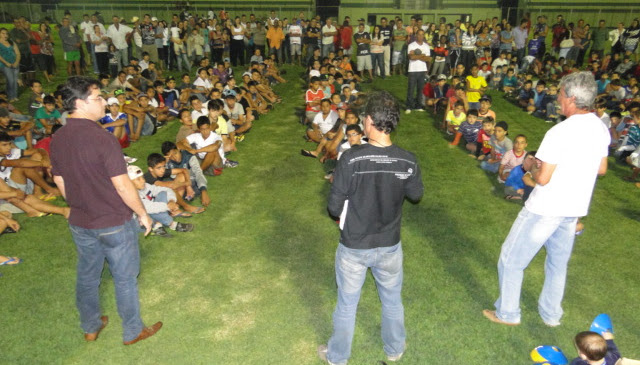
[{"x": 375, "y": 181}]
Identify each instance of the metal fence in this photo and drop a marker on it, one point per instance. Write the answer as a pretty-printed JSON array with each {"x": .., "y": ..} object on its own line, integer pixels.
[{"x": 37, "y": 12}]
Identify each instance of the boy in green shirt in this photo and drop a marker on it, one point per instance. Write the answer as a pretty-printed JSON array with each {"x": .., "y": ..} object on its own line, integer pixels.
[{"x": 47, "y": 115}]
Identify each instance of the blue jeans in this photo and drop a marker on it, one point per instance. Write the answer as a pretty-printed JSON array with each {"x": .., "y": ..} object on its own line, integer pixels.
[
  {"x": 326, "y": 49},
  {"x": 491, "y": 167},
  {"x": 528, "y": 234},
  {"x": 119, "y": 246},
  {"x": 163, "y": 217},
  {"x": 11, "y": 73},
  {"x": 351, "y": 270},
  {"x": 474, "y": 105},
  {"x": 414, "y": 89},
  {"x": 377, "y": 60}
]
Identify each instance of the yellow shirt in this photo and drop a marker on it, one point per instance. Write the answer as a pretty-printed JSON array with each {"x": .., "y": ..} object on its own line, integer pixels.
[
  {"x": 475, "y": 83},
  {"x": 456, "y": 121},
  {"x": 222, "y": 126}
]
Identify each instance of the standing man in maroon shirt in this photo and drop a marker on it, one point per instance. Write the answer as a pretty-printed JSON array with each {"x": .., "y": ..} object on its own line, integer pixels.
[{"x": 89, "y": 169}]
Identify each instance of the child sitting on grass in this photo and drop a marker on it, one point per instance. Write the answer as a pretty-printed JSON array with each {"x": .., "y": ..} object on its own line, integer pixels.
[
  {"x": 519, "y": 184},
  {"x": 483, "y": 143},
  {"x": 178, "y": 180},
  {"x": 500, "y": 144},
  {"x": 20, "y": 131},
  {"x": 455, "y": 117},
  {"x": 526, "y": 95},
  {"x": 469, "y": 129},
  {"x": 47, "y": 115},
  {"x": 116, "y": 122},
  {"x": 510, "y": 82},
  {"x": 159, "y": 202},
  {"x": 513, "y": 157}
]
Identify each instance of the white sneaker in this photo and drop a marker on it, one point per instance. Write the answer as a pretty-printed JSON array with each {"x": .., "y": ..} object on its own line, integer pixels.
[
  {"x": 322, "y": 354},
  {"x": 408, "y": 111},
  {"x": 397, "y": 357},
  {"x": 419, "y": 110}
]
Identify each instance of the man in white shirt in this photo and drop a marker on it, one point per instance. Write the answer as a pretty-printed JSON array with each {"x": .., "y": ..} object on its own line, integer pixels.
[
  {"x": 118, "y": 34},
  {"x": 572, "y": 154},
  {"x": 419, "y": 55},
  {"x": 328, "y": 31},
  {"x": 295, "y": 38}
]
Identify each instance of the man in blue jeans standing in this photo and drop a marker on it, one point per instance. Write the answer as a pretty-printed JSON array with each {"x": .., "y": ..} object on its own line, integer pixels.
[
  {"x": 572, "y": 154},
  {"x": 419, "y": 55},
  {"x": 89, "y": 169},
  {"x": 370, "y": 184}
]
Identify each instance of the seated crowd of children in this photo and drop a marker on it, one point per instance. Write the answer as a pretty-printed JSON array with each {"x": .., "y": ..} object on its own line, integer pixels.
[{"x": 215, "y": 112}]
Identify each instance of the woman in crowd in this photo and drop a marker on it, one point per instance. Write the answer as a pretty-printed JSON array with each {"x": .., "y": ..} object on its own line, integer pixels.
[
  {"x": 101, "y": 49},
  {"x": 9, "y": 64},
  {"x": 237, "y": 42},
  {"x": 377, "y": 52},
  {"x": 467, "y": 54}
]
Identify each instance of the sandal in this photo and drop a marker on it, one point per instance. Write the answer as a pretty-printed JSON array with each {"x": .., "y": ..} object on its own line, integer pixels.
[
  {"x": 8, "y": 230},
  {"x": 11, "y": 261},
  {"x": 198, "y": 211},
  {"x": 306, "y": 153},
  {"x": 182, "y": 214},
  {"x": 513, "y": 197}
]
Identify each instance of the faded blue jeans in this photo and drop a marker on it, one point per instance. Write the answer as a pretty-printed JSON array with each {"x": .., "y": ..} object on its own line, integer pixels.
[
  {"x": 527, "y": 236},
  {"x": 11, "y": 74},
  {"x": 163, "y": 217},
  {"x": 119, "y": 246},
  {"x": 351, "y": 270}
]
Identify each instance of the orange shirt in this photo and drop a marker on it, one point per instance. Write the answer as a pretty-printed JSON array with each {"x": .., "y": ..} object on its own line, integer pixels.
[{"x": 275, "y": 37}]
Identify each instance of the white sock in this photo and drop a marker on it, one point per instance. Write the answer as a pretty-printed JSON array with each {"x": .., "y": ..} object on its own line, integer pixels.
[{"x": 173, "y": 225}]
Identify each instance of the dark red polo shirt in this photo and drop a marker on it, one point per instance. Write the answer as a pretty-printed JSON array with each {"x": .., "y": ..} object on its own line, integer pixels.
[{"x": 87, "y": 156}]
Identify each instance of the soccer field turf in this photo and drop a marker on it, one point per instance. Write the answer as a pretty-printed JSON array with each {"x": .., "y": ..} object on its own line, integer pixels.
[{"x": 254, "y": 282}]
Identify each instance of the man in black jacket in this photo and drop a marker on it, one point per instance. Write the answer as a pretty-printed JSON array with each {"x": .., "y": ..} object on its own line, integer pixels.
[{"x": 370, "y": 185}]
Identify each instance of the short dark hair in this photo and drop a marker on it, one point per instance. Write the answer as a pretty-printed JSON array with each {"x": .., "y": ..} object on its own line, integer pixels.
[
  {"x": 167, "y": 146},
  {"x": 48, "y": 100},
  {"x": 154, "y": 159},
  {"x": 202, "y": 120},
  {"x": 353, "y": 127},
  {"x": 76, "y": 88},
  {"x": 215, "y": 104},
  {"x": 5, "y": 137},
  {"x": 473, "y": 112},
  {"x": 384, "y": 111},
  {"x": 591, "y": 345}
]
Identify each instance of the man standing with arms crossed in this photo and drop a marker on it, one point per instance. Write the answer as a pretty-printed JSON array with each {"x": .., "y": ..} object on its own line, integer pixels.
[
  {"x": 89, "y": 169},
  {"x": 370, "y": 185},
  {"x": 572, "y": 154}
]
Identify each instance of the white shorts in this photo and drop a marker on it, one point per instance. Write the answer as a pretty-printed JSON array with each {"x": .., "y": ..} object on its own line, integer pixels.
[
  {"x": 364, "y": 63},
  {"x": 396, "y": 58},
  {"x": 296, "y": 49}
]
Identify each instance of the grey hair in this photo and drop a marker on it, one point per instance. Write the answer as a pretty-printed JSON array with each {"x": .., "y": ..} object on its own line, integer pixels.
[{"x": 582, "y": 86}]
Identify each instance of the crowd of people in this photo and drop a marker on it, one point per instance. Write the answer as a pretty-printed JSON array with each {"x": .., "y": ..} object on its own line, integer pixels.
[{"x": 234, "y": 64}]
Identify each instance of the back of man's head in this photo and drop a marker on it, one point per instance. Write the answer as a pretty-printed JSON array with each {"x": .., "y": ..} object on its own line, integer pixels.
[
  {"x": 591, "y": 345},
  {"x": 383, "y": 110}
]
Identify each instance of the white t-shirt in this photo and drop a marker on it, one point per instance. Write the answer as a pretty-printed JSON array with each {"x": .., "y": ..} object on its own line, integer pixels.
[
  {"x": 205, "y": 83},
  {"x": 102, "y": 47},
  {"x": 345, "y": 146},
  {"x": 196, "y": 140},
  {"x": 329, "y": 39},
  {"x": 499, "y": 62},
  {"x": 238, "y": 37},
  {"x": 576, "y": 146},
  {"x": 325, "y": 125},
  {"x": 195, "y": 114},
  {"x": 118, "y": 36},
  {"x": 605, "y": 119},
  {"x": 87, "y": 29},
  {"x": 5, "y": 171},
  {"x": 295, "y": 32},
  {"x": 418, "y": 65}
]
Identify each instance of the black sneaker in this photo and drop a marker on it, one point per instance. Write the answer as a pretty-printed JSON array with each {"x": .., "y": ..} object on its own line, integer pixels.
[
  {"x": 161, "y": 232},
  {"x": 230, "y": 164},
  {"x": 184, "y": 227}
]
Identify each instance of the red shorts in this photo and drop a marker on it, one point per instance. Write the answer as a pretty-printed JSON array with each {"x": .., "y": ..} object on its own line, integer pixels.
[{"x": 124, "y": 141}]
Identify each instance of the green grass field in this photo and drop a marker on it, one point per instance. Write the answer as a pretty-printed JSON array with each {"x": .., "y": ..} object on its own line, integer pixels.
[{"x": 254, "y": 282}]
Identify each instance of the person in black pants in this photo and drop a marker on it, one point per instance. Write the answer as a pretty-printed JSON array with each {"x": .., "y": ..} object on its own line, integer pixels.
[{"x": 237, "y": 42}]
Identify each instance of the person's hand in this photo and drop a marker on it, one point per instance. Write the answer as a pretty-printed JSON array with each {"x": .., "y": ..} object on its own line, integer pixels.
[
  {"x": 173, "y": 206},
  {"x": 19, "y": 194},
  {"x": 13, "y": 224},
  {"x": 46, "y": 163},
  {"x": 146, "y": 221},
  {"x": 520, "y": 191},
  {"x": 607, "y": 335}
]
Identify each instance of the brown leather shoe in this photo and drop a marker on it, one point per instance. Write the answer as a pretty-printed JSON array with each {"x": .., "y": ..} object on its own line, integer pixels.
[
  {"x": 493, "y": 317},
  {"x": 145, "y": 333},
  {"x": 93, "y": 336}
]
